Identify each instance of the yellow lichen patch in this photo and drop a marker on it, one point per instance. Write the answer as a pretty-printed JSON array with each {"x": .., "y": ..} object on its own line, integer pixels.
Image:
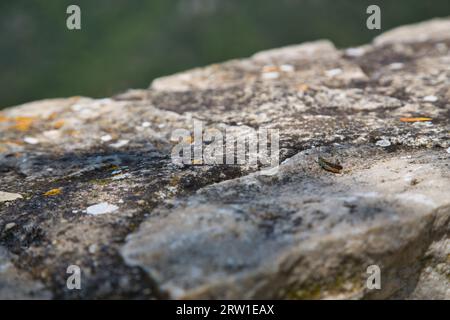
[
  {"x": 341, "y": 286},
  {"x": 302, "y": 87},
  {"x": 58, "y": 124},
  {"x": 3, "y": 118},
  {"x": 23, "y": 123},
  {"x": 415, "y": 119},
  {"x": 174, "y": 181},
  {"x": 53, "y": 192}
]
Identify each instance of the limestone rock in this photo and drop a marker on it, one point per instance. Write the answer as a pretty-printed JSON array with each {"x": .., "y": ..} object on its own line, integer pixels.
[
  {"x": 233, "y": 231},
  {"x": 303, "y": 229}
]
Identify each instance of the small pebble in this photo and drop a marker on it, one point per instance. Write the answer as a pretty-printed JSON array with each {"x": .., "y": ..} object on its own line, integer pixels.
[
  {"x": 430, "y": 99},
  {"x": 52, "y": 134},
  {"x": 146, "y": 124},
  {"x": 31, "y": 140},
  {"x": 354, "y": 52},
  {"x": 106, "y": 138},
  {"x": 101, "y": 208},
  {"x": 9, "y": 226},
  {"x": 287, "y": 68},
  {"x": 270, "y": 75},
  {"x": 6, "y": 196},
  {"x": 396, "y": 66},
  {"x": 448, "y": 150},
  {"x": 383, "y": 143},
  {"x": 93, "y": 248},
  {"x": 121, "y": 176},
  {"x": 119, "y": 144},
  {"x": 333, "y": 72}
]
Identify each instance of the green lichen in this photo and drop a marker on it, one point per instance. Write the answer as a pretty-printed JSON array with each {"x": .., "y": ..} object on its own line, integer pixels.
[{"x": 316, "y": 291}]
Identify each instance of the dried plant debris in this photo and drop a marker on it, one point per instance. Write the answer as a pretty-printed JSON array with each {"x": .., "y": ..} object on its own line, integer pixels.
[{"x": 418, "y": 119}]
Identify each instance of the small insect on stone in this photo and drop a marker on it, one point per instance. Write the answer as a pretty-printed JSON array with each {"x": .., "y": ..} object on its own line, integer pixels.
[{"x": 329, "y": 166}]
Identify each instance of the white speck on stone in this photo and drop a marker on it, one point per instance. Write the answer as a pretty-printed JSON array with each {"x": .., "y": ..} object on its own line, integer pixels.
[
  {"x": 101, "y": 208},
  {"x": 408, "y": 178},
  {"x": 369, "y": 194},
  {"x": 333, "y": 72},
  {"x": 448, "y": 150},
  {"x": 396, "y": 66},
  {"x": 9, "y": 226},
  {"x": 74, "y": 211},
  {"x": 93, "y": 248},
  {"x": 287, "y": 68},
  {"x": 106, "y": 138},
  {"x": 52, "y": 134},
  {"x": 270, "y": 75},
  {"x": 146, "y": 124},
  {"x": 430, "y": 99},
  {"x": 121, "y": 201},
  {"x": 6, "y": 196},
  {"x": 423, "y": 124},
  {"x": 31, "y": 140},
  {"x": 383, "y": 143},
  {"x": 354, "y": 52},
  {"x": 120, "y": 144},
  {"x": 121, "y": 176}
]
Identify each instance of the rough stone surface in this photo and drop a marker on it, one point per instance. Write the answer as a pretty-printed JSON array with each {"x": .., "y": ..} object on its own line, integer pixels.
[
  {"x": 228, "y": 231},
  {"x": 15, "y": 284}
]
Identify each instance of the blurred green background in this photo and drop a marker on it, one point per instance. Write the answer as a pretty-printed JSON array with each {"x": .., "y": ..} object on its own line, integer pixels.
[{"x": 127, "y": 43}]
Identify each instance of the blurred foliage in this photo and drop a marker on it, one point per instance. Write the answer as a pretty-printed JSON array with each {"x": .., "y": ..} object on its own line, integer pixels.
[{"x": 127, "y": 43}]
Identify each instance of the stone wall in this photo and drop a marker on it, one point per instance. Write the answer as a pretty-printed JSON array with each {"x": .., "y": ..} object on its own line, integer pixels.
[{"x": 92, "y": 183}]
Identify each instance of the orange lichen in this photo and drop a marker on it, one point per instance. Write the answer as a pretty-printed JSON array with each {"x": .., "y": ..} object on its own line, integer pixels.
[
  {"x": 23, "y": 123},
  {"x": 420, "y": 119},
  {"x": 269, "y": 69},
  {"x": 58, "y": 124}
]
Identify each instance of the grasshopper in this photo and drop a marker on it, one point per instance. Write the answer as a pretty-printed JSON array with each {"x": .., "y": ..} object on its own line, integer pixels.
[{"x": 329, "y": 166}]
